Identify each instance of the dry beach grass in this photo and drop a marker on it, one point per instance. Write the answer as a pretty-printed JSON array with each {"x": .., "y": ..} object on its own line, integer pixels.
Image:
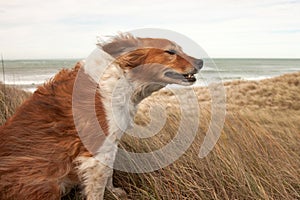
[
  {"x": 10, "y": 99},
  {"x": 256, "y": 157}
]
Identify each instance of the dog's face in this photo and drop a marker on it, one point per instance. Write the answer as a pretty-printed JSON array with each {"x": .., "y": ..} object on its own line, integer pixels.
[{"x": 146, "y": 60}]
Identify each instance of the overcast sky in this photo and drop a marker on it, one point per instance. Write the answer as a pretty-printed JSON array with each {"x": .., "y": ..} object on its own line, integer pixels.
[{"x": 230, "y": 28}]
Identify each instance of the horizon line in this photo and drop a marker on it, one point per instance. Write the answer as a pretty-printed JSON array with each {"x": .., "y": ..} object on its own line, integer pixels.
[{"x": 262, "y": 58}]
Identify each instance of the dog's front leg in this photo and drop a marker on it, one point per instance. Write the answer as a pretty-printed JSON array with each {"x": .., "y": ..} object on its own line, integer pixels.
[
  {"x": 108, "y": 160},
  {"x": 94, "y": 176},
  {"x": 119, "y": 192}
]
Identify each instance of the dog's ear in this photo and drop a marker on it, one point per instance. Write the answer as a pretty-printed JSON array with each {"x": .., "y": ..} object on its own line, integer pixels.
[
  {"x": 121, "y": 44},
  {"x": 132, "y": 59}
]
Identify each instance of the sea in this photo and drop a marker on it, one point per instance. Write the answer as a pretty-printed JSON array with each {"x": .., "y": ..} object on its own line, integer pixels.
[{"x": 28, "y": 74}]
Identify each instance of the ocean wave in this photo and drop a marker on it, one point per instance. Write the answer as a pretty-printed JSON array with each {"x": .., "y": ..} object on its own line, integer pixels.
[
  {"x": 24, "y": 83},
  {"x": 257, "y": 78}
]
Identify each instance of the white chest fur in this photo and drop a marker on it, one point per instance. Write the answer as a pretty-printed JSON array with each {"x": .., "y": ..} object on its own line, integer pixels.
[{"x": 116, "y": 93}]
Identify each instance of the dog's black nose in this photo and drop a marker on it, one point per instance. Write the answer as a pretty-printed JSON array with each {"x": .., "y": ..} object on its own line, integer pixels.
[{"x": 199, "y": 63}]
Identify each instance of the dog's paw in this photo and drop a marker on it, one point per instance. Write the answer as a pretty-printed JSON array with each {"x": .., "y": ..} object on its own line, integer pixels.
[{"x": 119, "y": 193}]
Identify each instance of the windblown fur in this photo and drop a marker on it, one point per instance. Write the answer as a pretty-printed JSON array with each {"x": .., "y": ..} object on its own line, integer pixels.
[{"x": 41, "y": 153}]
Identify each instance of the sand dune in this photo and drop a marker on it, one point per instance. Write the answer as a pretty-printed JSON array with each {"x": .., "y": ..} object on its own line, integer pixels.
[{"x": 256, "y": 157}]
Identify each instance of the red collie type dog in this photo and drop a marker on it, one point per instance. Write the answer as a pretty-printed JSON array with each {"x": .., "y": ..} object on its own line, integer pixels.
[{"x": 42, "y": 155}]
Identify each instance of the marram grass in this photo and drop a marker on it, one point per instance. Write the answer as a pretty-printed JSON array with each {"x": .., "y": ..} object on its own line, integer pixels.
[{"x": 256, "y": 157}]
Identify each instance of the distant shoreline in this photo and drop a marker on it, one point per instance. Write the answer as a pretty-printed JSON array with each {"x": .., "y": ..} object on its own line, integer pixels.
[
  {"x": 217, "y": 58},
  {"x": 28, "y": 74},
  {"x": 32, "y": 87}
]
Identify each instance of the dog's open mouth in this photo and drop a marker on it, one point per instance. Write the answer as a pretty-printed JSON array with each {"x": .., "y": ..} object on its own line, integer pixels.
[{"x": 190, "y": 77}]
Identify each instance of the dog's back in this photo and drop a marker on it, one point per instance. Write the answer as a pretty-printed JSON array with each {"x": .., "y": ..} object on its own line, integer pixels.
[
  {"x": 41, "y": 154},
  {"x": 39, "y": 143}
]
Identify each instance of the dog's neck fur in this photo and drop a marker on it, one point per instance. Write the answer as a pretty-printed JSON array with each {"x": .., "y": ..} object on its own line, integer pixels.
[
  {"x": 120, "y": 98},
  {"x": 143, "y": 91}
]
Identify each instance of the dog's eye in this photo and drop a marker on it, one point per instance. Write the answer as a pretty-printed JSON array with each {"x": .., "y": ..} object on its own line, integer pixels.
[{"x": 171, "y": 52}]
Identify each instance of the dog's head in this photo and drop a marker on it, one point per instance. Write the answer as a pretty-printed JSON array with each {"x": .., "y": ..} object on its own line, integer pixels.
[{"x": 148, "y": 60}]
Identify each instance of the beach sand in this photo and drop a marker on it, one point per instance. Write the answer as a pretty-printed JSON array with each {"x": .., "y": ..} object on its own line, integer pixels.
[{"x": 257, "y": 155}]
